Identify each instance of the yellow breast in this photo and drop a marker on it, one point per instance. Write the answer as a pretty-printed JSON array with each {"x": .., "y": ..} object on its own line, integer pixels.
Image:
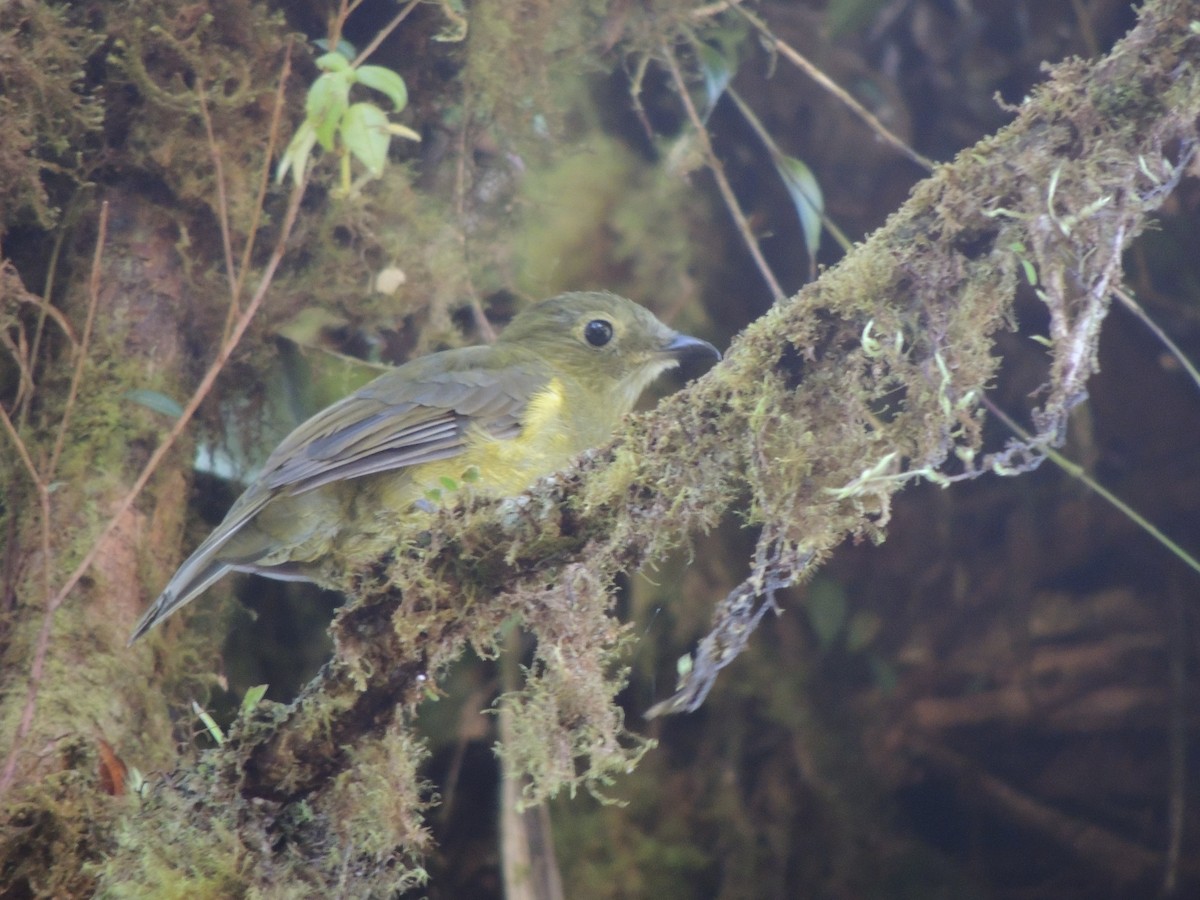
[{"x": 501, "y": 467}]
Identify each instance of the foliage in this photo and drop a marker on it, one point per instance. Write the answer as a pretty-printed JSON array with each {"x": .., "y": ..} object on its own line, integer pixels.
[{"x": 359, "y": 130}]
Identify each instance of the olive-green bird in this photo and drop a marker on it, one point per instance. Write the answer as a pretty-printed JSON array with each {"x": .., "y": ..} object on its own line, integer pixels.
[{"x": 556, "y": 383}]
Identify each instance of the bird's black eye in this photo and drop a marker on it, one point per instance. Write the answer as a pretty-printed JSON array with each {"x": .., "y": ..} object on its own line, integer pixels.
[{"x": 598, "y": 332}]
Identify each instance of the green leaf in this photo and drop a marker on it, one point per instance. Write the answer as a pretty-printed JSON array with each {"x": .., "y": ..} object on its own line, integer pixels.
[
  {"x": 334, "y": 61},
  {"x": 253, "y": 697},
  {"x": 403, "y": 131},
  {"x": 308, "y": 327},
  {"x": 471, "y": 474},
  {"x": 826, "y": 607},
  {"x": 1030, "y": 272},
  {"x": 806, "y": 195},
  {"x": 210, "y": 724},
  {"x": 448, "y": 483},
  {"x": 365, "y": 133},
  {"x": 344, "y": 47},
  {"x": 326, "y": 105},
  {"x": 295, "y": 157},
  {"x": 156, "y": 401},
  {"x": 386, "y": 82}
]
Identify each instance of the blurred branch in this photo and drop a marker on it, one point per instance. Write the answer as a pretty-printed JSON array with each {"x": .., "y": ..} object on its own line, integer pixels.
[
  {"x": 718, "y": 172},
  {"x": 800, "y": 62}
]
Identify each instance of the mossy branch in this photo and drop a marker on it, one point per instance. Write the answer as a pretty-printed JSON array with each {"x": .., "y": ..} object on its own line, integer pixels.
[{"x": 826, "y": 406}]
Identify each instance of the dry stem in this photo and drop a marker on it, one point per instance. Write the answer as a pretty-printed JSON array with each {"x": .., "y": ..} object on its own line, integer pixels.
[{"x": 718, "y": 171}]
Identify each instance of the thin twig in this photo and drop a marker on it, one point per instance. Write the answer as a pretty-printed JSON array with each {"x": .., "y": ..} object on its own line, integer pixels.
[
  {"x": 42, "y": 487},
  {"x": 339, "y": 22},
  {"x": 718, "y": 172},
  {"x": 148, "y": 470},
  {"x": 1077, "y": 471},
  {"x": 713, "y": 9},
  {"x": 1177, "y": 738},
  {"x": 43, "y": 312},
  {"x": 41, "y": 483},
  {"x": 22, "y": 450},
  {"x": 264, "y": 181},
  {"x": 222, "y": 210},
  {"x": 826, "y": 82},
  {"x": 776, "y": 155},
  {"x": 383, "y": 33},
  {"x": 636, "y": 79},
  {"x": 23, "y": 352},
  {"x": 486, "y": 331},
  {"x": 201, "y": 391},
  {"x": 1134, "y": 307}
]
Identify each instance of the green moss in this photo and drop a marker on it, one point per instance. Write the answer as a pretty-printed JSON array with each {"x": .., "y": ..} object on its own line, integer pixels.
[
  {"x": 375, "y": 813},
  {"x": 48, "y": 107},
  {"x": 565, "y": 730},
  {"x": 825, "y": 408},
  {"x": 55, "y": 830},
  {"x": 523, "y": 68}
]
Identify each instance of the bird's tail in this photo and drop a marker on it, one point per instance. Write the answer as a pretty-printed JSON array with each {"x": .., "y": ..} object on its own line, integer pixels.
[
  {"x": 193, "y": 578},
  {"x": 212, "y": 559}
]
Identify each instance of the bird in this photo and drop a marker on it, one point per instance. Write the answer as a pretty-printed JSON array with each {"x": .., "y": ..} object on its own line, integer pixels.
[{"x": 500, "y": 416}]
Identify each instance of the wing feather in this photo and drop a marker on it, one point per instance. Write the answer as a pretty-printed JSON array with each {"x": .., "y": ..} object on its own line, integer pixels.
[{"x": 417, "y": 414}]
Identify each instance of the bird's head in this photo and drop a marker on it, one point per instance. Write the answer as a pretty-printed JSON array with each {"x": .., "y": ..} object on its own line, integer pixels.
[{"x": 605, "y": 343}]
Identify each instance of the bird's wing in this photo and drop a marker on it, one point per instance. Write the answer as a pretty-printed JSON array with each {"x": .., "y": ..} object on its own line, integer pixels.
[
  {"x": 417, "y": 414},
  {"x": 395, "y": 422}
]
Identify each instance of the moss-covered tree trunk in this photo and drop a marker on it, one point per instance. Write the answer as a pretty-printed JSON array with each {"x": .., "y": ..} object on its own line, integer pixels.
[
  {"x": 76, "y": 700},
  {"x": 112, "y": 300}
]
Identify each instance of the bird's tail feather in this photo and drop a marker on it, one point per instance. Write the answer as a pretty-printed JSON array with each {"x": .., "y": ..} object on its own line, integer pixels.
[{"x": 192, "y": 579}]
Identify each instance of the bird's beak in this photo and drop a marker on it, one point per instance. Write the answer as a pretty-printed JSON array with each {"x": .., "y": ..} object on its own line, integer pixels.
[{"x": 689, "y": 351}]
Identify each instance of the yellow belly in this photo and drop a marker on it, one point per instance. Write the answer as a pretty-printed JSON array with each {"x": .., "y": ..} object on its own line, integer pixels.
[
  {"x": 500, "y": 468},
  {"x": 378, "y": 505},
  {"x": 362, "y": 518}
]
